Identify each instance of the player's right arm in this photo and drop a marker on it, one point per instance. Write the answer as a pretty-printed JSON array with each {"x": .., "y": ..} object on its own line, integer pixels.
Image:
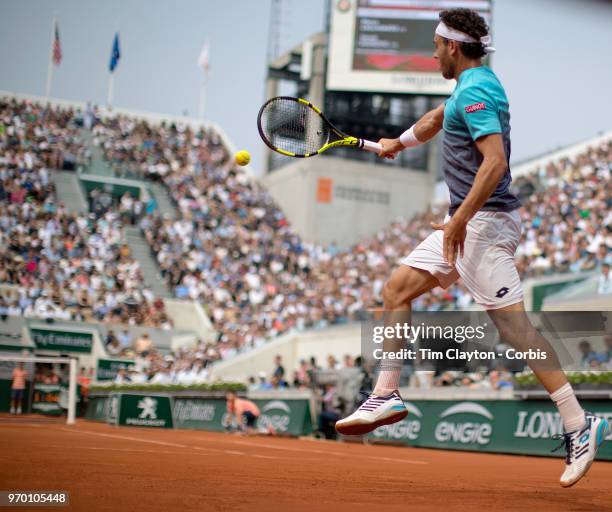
[{"x": 424, "y": 129}]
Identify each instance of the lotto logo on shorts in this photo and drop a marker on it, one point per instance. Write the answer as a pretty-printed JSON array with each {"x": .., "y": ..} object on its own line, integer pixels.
[
  {"x": 501, "y": 292},
  {"x": 475, "y": 107}
]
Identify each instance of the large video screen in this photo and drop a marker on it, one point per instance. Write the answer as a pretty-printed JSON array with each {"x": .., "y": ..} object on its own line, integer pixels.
[{"x": 387, "y": 45}]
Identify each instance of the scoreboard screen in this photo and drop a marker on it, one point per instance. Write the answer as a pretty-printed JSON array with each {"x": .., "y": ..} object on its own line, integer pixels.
[{"x": 387, "y": 45}]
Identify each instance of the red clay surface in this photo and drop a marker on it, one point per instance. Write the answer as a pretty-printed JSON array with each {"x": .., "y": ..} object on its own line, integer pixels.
[{"x": 131, "y": 469}]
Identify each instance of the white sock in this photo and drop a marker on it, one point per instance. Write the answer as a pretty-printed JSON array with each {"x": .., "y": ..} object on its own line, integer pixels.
[
  {"x": 569, "y": 408},
  {"x": 388, "y": 381}
]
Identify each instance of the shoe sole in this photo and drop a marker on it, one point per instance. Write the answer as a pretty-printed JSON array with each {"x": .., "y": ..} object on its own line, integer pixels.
[
  {"x": 359, "y": 429},
  {"x": 606, "y": 429}
]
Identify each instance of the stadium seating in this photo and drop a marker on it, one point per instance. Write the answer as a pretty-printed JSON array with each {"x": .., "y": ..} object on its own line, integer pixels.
[{"x": 65, "y": 265}]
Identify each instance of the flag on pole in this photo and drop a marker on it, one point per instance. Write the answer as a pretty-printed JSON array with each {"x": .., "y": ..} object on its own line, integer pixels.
[
  {"x": 115, "y": 54},
  {"x": 203, "y": 60},
  {"x": 57, "y": 47}
]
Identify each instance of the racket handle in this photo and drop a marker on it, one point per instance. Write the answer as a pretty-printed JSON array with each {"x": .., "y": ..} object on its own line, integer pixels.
[{"x": 367, "y": 145}]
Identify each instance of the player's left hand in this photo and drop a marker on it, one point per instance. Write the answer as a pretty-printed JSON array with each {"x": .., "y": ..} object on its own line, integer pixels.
[{"x": 455, "y": 232}]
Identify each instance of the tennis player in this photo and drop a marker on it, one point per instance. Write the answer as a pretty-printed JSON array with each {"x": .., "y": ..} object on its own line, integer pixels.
[{"x": 478, "y": 238}]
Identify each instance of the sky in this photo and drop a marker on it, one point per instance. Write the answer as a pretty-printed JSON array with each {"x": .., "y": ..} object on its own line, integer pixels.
[{"x": 553, "y": 57}]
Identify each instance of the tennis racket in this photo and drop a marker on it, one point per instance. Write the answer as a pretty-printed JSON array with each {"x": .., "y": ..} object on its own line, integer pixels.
[{"x": 295, "y": 127}]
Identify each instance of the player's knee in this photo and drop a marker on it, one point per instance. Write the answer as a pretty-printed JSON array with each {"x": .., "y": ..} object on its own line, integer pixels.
[{"x": 394, "y": 296}]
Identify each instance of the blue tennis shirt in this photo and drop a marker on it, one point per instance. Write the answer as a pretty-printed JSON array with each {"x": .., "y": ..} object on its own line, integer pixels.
[{"x": 478, "y": 106}]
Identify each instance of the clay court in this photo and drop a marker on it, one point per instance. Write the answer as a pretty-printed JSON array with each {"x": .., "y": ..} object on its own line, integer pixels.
[{"x": 111, "y": 468}]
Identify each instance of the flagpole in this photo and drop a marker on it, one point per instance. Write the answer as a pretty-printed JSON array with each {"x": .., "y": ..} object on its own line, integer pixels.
[
  {"x": 50, "y": 66},
  {"x": 203, "y": 97},
  {"x": 111, "y": 83},
  {"x": 203, "y": 62}
]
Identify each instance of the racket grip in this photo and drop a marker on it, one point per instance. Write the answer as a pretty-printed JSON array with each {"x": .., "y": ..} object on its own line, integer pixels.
[{"x": 367, "y": 145}]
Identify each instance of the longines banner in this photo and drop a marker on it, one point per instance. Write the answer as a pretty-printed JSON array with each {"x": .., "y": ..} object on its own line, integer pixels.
[{"x": 504, "y": 426}]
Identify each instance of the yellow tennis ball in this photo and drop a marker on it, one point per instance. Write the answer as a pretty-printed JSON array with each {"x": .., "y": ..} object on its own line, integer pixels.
[{"x": 242, "y": 157}]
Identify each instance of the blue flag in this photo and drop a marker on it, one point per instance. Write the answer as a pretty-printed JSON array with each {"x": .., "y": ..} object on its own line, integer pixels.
[{"x": 115, "y": 54}]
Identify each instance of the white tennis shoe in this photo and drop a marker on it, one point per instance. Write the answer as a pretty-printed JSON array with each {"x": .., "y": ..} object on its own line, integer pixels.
[
  {"x": 373, "y": 413},
  {"x": 581, "y": 448}
]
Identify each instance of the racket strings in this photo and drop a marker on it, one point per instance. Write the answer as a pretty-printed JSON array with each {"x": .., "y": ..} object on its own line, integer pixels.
[{"x": 294, "y": 127}]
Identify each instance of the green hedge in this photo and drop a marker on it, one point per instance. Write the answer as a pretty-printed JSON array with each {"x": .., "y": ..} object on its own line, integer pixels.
[
  {"x": 601, "y": 379},
  {"x": 218, "y": 386}
]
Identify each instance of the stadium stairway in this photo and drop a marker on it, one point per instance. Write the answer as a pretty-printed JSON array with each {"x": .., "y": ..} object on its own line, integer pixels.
[
  {"x": 142, "y": 253},
  {"x": 138, "y": 246},
  {"x": 98, "y": 166},
  {"x": 68, "y": 190},
  {"x": 164, "y": 203}
]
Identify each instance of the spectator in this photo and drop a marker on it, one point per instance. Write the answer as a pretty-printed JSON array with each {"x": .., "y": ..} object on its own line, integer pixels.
[
  {"x": 608, "y": 348},
  {"x": 264, "y": 385},
  {"x": 279, "y": 369},
  {"x": 252, "y": 384},
  {"x": 143, "y": 345},
  {"x": 332, "y": 363},
  {"x": 348, "y": 361},
  {"x": 277, "y": 383},
  {"x": 588, "y": 354},
  {"x": 500, "y": 378},
  {"x": 604, "y": 283},
  {"x": 3, "y": 310},
  {"x": 330, "y": 413},
  {"x": 112, "y": 343},
  {"x": 122, "y": 376},
  {"x": 45, "y": 374},
  {"x": 84, "y": 381},
  {"x": 125, "y": 339},
  {"x": 164, "y": 375},
  {"x": 135, "y": 376}
]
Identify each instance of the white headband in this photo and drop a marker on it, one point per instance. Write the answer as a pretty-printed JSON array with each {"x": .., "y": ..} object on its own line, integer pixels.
[{"x": 456, "y": 35}]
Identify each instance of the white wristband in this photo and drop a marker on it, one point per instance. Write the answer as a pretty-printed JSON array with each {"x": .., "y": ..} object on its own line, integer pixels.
[{"x": 408, "y": 138}]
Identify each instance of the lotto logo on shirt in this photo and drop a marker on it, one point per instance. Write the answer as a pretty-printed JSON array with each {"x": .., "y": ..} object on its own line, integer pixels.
[{"x": 475, "y": 107}]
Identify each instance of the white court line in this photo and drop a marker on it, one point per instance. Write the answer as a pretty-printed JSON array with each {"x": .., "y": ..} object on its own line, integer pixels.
[
  {"x": 246, "y": 443},
  {"x": 152, "y": 441},
  {"x": 212, "y": 450},
  {"x": 131, "y": 450},
  {"x": 16, "y": 424},
  {"x": 230, "y": 452},
  {"x": 126, "y": 438},
  {"x": 305, "y": 450}
]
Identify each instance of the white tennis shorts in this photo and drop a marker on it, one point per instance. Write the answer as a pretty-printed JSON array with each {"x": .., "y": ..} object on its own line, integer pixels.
[{"x": 487, "y": 266}]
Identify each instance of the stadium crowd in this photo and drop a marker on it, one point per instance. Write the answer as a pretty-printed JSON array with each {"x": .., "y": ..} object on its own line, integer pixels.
[
  {"x": 184, "y": 366},
  {"x": 567, "y": 215},
  {"x": 66, "y": 265}
]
